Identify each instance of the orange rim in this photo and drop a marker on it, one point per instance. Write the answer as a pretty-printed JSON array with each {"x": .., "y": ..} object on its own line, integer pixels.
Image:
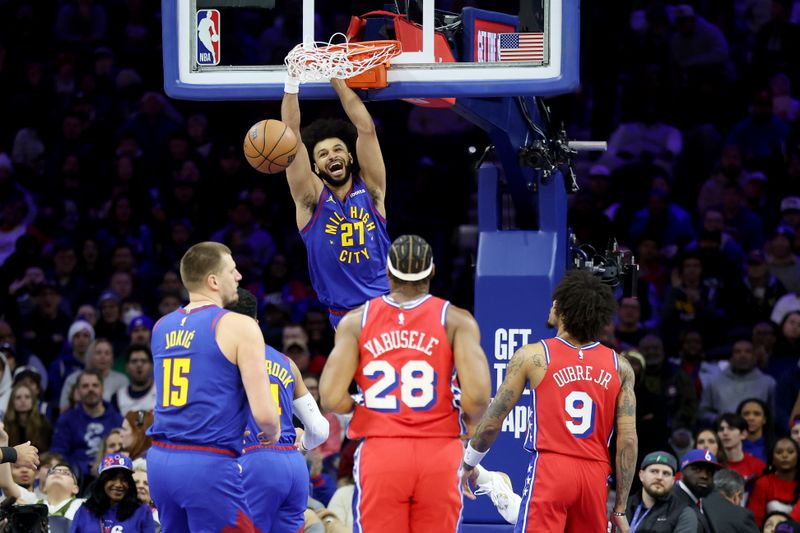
[{"x": 366, "y": 48}]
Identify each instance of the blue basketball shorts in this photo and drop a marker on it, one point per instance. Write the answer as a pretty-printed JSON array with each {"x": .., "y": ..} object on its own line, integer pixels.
[{"x": 276, "y": 485}]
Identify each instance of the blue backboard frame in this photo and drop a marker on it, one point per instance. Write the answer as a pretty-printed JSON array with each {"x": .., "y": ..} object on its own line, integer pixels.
[{"x": 180, "y": 83}]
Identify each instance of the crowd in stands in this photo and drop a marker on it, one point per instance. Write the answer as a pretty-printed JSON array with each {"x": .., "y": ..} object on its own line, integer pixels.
[{"x": 105, "y": 182}]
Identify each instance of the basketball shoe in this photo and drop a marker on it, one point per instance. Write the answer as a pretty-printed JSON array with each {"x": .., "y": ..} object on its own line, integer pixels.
[{"x": 498, "y": 487}]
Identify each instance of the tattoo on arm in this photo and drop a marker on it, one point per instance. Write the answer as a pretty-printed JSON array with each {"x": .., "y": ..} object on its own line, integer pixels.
[
  {"x": 508, "y": 395},
  {"x": 626, "y": 434}
]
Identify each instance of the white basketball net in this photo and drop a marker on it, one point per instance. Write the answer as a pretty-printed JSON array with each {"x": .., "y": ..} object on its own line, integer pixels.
[{"x": 322, "y": 61}]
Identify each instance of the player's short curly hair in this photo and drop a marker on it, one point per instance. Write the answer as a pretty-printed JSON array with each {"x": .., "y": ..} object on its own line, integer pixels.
[
  {"x": 247, "y": 304},
  {"x": 584, "y": 304},
  {"x": 326, "y": 128}
]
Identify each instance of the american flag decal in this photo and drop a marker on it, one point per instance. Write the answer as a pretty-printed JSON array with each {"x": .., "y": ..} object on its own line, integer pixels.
[{"x": 522, "y": 46}]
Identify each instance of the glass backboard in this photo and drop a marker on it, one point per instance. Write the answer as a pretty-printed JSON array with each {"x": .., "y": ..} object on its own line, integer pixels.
[{"x": 234, "y": 49}]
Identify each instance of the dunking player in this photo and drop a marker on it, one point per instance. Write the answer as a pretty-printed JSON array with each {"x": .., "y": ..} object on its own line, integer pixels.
[
  {"x": 579, "y": 391},
  {"x": 340, "y": 214},
  {"x": 405, "y": 350},
  {"x": 276, "y": 476},
  {"x": 209, "y": 365}
]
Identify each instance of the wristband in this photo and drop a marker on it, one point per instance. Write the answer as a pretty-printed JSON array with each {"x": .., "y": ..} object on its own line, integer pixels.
[
  {"x": 473, "y": 457},
  {"x": 618, "y": 514},
  {"x": 9, "y": 454},
  {"x": 291, "y": 86}
]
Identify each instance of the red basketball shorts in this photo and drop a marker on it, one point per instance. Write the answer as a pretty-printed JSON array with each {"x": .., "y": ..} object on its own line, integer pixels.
[
  {"x": 564, "y": 494},
  {"x": 407, "y": 484}
]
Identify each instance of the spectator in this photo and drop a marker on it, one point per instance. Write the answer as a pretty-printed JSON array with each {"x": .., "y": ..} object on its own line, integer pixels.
[
  {"x": 47, "y": 460},
  {"x": 742, "y": 223},
  {"x": 110, "y": 325},
  {"x": 61, "y": 492},
  {"x": 23, "y": 420},
  {"x": 143, "y": 487},
  {"x": 779, "y": 489},
  {"x": 761, "y": 134},
  {"x": 764, "y": 339},
  {"x": 724, "y": 506},
  {"x": 79, "y": 337},
  {"x": 708, "y": 439},
  {"x": 760, "y": 427},
  {"x": 629, "y": 329},
  {"x": 112, "y": 443},
  {"x": 647, "y": 137},
  {"x": 140, "y": 330},
  {"x": 761, "y": 290},
  {"x": 729, "y": 170},
  {"x": 113, "y": 501},
  {"x": 100, "y": 357},
  {"x": 242, "y": 229},
  {"x": 655, "y": 507},
  {"x": 787, "y": 346},
  {"x": 666, "y": 220},
  {"x": 698, "y": 44},
  {"x": 696, "y": 483},
  {"x": 795, "y": 430},
  {"x": 784, "y": 105},
  {"x": 44, "y": 331},
  {"x": 741, "y": 379},
  {"x": 135, "y": 440},
  {"x": 140, "y": 394},
  {"x": 732, "y": 430},
  {"x": 691, "y": 303},
  {"x": 80, "y": 430},
  {"x": 29, "y": 376},
  {"x": 783, "y": 263},
  {"x": 692, "y": 375}
]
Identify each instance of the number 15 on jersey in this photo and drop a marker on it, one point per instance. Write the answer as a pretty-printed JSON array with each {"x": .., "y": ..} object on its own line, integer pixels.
[{"x": 175, "y": 385}]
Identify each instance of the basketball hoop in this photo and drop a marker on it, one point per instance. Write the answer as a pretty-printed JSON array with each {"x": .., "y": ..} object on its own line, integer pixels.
[{"x": 363, "y": 65}]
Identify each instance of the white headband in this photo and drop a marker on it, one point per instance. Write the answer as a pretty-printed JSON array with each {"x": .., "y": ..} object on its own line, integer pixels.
[{"x": 408, "y": 277}]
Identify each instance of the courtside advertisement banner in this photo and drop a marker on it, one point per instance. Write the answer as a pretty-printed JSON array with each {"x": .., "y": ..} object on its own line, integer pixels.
[{"x": 208, "y": 37}]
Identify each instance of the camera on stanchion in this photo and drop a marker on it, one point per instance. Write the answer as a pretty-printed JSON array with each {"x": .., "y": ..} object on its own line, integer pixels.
[{"x": 615, "y": 267}]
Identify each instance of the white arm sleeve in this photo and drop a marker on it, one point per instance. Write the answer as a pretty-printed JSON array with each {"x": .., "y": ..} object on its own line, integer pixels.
[{"x": 315, "y": 425}]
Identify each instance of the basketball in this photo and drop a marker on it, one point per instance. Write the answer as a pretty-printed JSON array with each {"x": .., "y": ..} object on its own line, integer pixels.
[{"x": 270, "y": 146}]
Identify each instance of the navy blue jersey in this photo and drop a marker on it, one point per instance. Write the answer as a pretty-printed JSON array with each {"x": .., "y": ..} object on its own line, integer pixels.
[
  {"x": 347, "y": 246},
  {"x": 281, "y": 385},
  {"x": 200, "y": 399}
]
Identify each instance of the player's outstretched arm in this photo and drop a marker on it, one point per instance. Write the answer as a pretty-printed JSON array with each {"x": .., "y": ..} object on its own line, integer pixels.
[
  {"x": 527, "y": 365},
  {"x": 368, "y": 149},
  {"x": 303, "y": 183},
  {"x": 249, "y": 342},
  {"x": 315, "y": 427},
  {"x": 341, "y": 366},
  {"x": 472, "y": 367},
  {"x": 627, "y": 442}
]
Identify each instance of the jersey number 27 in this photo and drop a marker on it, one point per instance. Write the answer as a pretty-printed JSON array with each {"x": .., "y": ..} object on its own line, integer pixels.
[{"x": 417, "y": 386}]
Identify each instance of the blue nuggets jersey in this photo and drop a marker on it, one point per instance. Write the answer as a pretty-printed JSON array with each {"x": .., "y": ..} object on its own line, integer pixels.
[
  {"x": 347, "y": 245},
  {"x": 281, "y": 385},
  {"x": 200, "y": 399}
]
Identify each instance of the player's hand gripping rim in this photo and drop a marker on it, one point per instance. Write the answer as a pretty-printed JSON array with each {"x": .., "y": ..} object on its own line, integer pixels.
[{"x": 467, "y": 474}]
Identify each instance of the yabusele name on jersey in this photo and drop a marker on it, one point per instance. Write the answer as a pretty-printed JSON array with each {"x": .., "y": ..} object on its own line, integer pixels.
[{"x": 407, "y": 339}]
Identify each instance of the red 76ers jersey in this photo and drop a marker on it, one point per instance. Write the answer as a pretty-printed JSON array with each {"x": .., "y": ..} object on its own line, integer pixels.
[
  {"x": 405, "y": 372},
  {"x": 574, "y": 406}
]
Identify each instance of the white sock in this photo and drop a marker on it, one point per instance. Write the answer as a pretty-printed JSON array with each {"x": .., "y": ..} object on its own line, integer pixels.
[{"x": 484, "y": 476}]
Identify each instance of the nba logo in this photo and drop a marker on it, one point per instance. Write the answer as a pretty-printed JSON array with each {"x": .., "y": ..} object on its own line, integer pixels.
[{"x": 207, "y": 37}]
